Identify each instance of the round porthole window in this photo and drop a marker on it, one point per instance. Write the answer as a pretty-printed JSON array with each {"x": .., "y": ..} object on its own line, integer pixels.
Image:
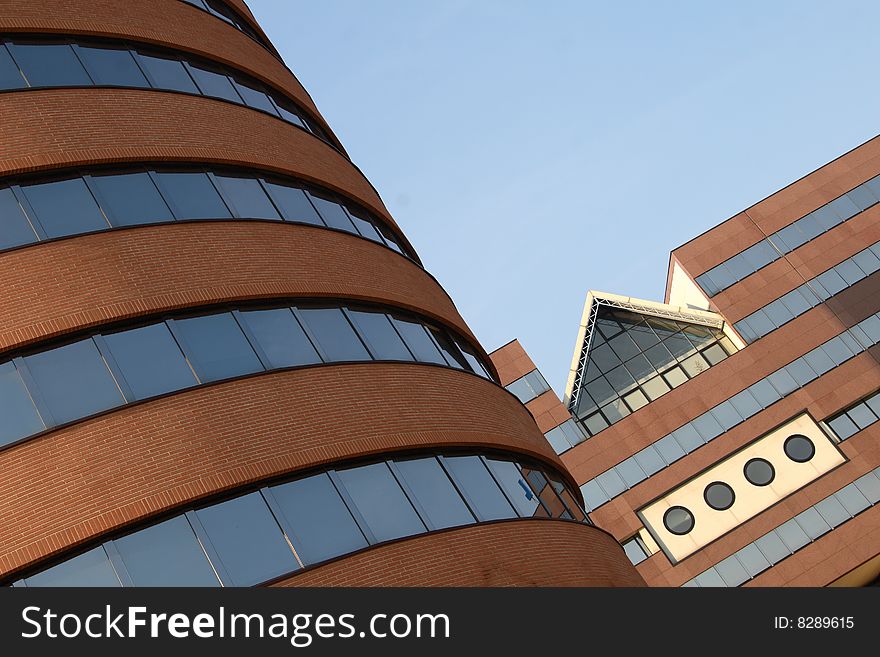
[
  {"x": 719, "y": 496},
  {"x": 678, "y": 520},
  {"x": 799, "y": 449},
  {"x": 759, "y": 472}
]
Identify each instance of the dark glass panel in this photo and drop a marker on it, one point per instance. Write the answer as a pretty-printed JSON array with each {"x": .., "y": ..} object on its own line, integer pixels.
[
  {"x": 255, "y": 98},
  {"x": 419, "y": 342},
  {"x": 150, "y": 360},
  {"x": 381, "y": 501},
  {"x": 91, "y": 568},
  {"x": 366, "y": 228},
  {"x": 66, "y": 207},
  {"x": 167, "y": 554},
  {"x": 217, "y": 347},
  {"x": 334, "y": 214},
  {"x": 74, "y": 381},
  {"x": 15, "y": 229},
  {"x": 247, "y": 539},
  {"x": 247, "y": 197},
  {"x": 336, "y": 338},
  {"x": 215, "y": 84},
  {"x": 450, "y": 351},
  {"x": 281, "y": 338},
  {"x": 130, "y": 199},
  {"x": 19, "y": 415},
  {"x": 10, "y": 76},
  {"x": 165, "y": 73},
  {"x": 434, "y": 492},
  {"x": 515, "y": 486},
  {"x": 390, "y": 238},
  {"x": 321, "y": 525},
  {"x": 192, "y": 196},
  {"x": 49, "y": 64},
  {"x": 382, "y": 339},
  {"x": 482, "y": 492},
  {"x": 294, "y": 204},
  {"x": 111, "y": 66}
]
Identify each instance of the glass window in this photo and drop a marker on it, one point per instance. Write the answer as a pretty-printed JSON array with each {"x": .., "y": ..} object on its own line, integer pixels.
[
  {"x": 850, "y": 272},
  {"x": 726, "y": 415},
  {"x": 819, "y": 361},
  {"x": 558, "y": 440},
  {"x": 640, "y": 368},
  {"x": 782, "y": 381},
  {"x": 192, "y": 196},
  {"x": 649, "y": 460},
  {"x": 792, "y": 535},
  {"x": 798, "y": 448},
  {"x": 390, "y": 238},
  {"x": 280, "y": 337},
  {"x": 759, "y": 472},
  {"x": 745, "y": 404},
  {"x": 450, "y": 351},
  {"x": 630, "y": 472},
  {"x": 832, "y": 511},
  {"x": 247, "y": 197},
  {"x": 49, "y": 65},
  {"x": 601, "y": 391},
  {"x": 10, "y": 76},
  {"x": 150, "y": 360},
  {"x": 594, "y": 496},
  {"x": 655, "y": 388},
  {"x": 15, "y": 229},
  {"x": 288, "y": 113},
  {"x": 869, "y": 485},
  {"x": 479, "y": 487},
  {"x": 867, "y": 261},
  {"x": 800, "y": 371},
  {"x": 382, "y": 339},
  {"x": 732, "y": 571},
  {"x": 719, "y": 496},
  {"x": 334, "y": 214},
  {"x": 675, "y": 377},
  {"x": 247, "y": 539},
  {"x": 635, "y": 400},
  {"x": 255, "y": 98},
  {"x": 688, "y": 437},
  {"x": 669, "y": 449},
  {"x": 215, "y": 84},
  {"x": 764, "y": 393},
  {"x": 611, "y": 483},
  {"x": 852, "y": 499},
  {"x": 843, "y": 426},
  {"x": 294, "y": 204},
  {"x": 812, "y": 523},
  {"x": 714, "y": 354},
  {"x": 709, "y": 578},
  {"x": 595, "y": 424},
  {"x": 620, "y": 379},
  {"x": 707, "y": 426},
  {"x": 365, "y": 227},
  {"x": 518, "y": 491},
  {"x": 167, "y": 554},
  {"x": 216, "y": 346},
  {"x": 165, "y": 73},
  {"x": 831, "y": 281},
  {"x": 615, "y": 411},
  {"x": 336, "y": 338},
  {"x": 90, "y": 568},
  {"x": 862, "y": 416},
  {"x": 66, "y": 207},
  {"x": 634, "y": 551},
  {"x": 678, "y": 520},
  {"x": 318, "y": 522},
  {"x": 419, "y": 342},
  {"x": 130, "y": 199},
  {"x": 778, "y": 313},
  {"x": 20, "y": 416},
  {"x": 772, "y": 547},
  {"x": 752, "y": 560},
  {"x": 381, "y": 502},
  {"x": 74, "y": 381},
  {"x": 111, "y": 66},
  {"x": 695, "y": 364},
  {"x": 434, "y": 492}
]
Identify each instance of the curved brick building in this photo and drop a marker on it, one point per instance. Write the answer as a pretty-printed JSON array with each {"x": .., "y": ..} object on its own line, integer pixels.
[{"x": 222, "y": 361}]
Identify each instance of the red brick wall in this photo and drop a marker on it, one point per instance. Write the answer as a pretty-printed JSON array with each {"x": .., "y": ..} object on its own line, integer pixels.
[{"x": 513, "y": 553}]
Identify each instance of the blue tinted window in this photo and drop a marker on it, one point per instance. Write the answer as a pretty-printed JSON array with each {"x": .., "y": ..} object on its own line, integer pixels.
[
  {"x": 19, "y": 416},
  {"x": 390, "y": 239},
  {"x": 74, "y": 381},
  {"x": 335, "y": 336},
  {"x": 49, "y": 65},
  {"x": 167, "y": 73},
  {"x": 192, "y": 196},
  {"x": 434, "y": 492},
  {"x": 365, "y": 227},
  {"x": 130, "y": 199},
  {"x": 334, "y": 214},
  {"x": 167, "y": 554},
  {"x": 289, "y": 114},
  {"x": 471, "y": 358},
  {"x": 214, "y": 84},
  {"x": 280, "y": 337},
  {"x": 383, "y": 340},
  {"x": 418, "y": 341},
  {"x": 319, "y": 524},
  {"x": 217, "y": 347},
  {"x": 294, "y": 204},
  {"x": 111, "y": 66},
  {"x": 517, "y": 488},
  {"x": 90, "y": 568},
  {"x": 66, "y": 207},
  {"x": 247, "y": 539},
  {"x": 480, "y": 488},
  {"x": 150, "y": 360},
  {"x": 247, "y": 197},
  {"x": 10, "y": 76},
  {"x": 450, "y": 352},
  {"x": 255, "y": 98},
  {"x": 381, "y": 502},
  {"x": 15, "y": 229}
]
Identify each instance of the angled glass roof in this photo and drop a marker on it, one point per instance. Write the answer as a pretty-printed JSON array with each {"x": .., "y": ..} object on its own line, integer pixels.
[{"x": 630, "y": 356}]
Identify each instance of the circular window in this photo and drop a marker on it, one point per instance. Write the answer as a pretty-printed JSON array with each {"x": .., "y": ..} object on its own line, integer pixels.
[
  {"x": 798, "y": 448},
  {"x": 759, "y": 472},
  {"x": 719, "y": 496},
  {"x": 678, "y": 520}
]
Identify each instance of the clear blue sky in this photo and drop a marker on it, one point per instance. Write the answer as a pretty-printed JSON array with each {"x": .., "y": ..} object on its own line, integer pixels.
[{"x": 535, "y": 150}]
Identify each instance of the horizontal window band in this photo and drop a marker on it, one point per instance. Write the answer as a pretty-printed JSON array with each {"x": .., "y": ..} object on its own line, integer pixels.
[
  {"x": 810, "y": 294},
  {"x": 53, "y": 386},
  {"x": 784, "y": 241},
  {"x": 722, "y": 417},
  {"x": 38, "y": 62},
  {"x": 861, "y": 415},
  {"x": 227, "y": 14},
  {"x": 53, "y": 206},
  {"x": 264, "y": 533}
]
